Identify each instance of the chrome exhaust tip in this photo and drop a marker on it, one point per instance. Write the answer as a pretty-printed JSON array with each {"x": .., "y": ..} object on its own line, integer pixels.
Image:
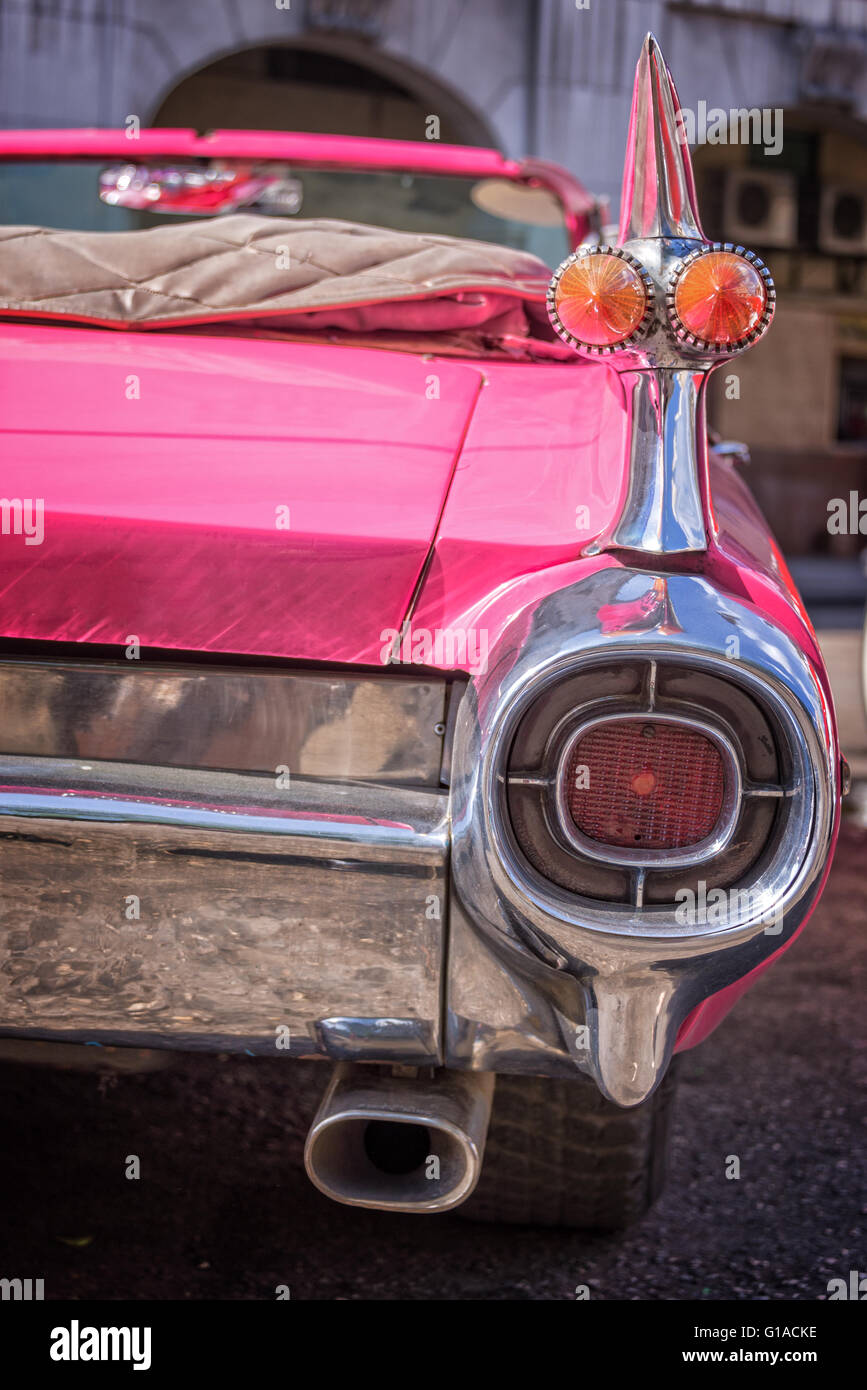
[{"x": 400, "y": 1142}]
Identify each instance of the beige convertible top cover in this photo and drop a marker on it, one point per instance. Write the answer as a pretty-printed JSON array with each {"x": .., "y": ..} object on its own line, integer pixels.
[{"x": 293, "y": 276}]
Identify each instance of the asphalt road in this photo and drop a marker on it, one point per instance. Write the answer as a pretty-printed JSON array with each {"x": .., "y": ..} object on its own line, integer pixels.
[{"x": 222, "y": 1209}]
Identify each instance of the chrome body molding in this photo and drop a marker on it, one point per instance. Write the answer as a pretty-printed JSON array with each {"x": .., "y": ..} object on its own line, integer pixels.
[
  {"x": 189, "y": 908},
  {"x": 629, "y": 973},
  {"x": 660, "y": 511}
]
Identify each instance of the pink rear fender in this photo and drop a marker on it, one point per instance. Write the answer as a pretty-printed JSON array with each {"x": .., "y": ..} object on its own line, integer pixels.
[{"x": 538, "y": 476}]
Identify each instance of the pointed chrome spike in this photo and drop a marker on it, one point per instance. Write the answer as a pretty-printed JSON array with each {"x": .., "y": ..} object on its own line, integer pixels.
[
  {"x": 658, "y": 198},
  {"x": 634, "y": 1033}
]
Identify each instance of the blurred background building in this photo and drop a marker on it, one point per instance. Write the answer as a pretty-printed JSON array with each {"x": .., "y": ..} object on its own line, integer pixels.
[{"x": 551, "y": 78}]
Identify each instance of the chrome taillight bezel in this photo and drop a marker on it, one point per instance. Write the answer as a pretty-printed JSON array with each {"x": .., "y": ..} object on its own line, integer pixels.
[{"x": 764, "y": 886}]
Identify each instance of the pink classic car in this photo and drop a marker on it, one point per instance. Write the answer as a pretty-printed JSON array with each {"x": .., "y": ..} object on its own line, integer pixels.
[{"x": 391, "y": 674}]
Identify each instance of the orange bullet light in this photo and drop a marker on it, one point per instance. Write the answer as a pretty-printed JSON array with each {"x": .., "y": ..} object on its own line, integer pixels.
[
  {"x": 721, "y": 300},
  {"x": 599, "y": 300}
]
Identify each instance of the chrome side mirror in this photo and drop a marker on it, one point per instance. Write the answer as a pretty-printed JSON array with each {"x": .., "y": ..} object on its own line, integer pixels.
[{"x": 733, "y": 449}]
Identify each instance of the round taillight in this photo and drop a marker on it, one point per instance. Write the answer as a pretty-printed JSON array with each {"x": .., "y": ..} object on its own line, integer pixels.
[
  {"x": 644, "y": 784},
  {"x": 599, "y": 299},
  {"x": 721, "y": 299}
]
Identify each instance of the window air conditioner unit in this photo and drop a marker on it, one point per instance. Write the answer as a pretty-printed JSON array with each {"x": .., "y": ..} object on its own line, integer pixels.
[
  {"x": 843, "y": 220},
  {"x": 760, "y": 207}
]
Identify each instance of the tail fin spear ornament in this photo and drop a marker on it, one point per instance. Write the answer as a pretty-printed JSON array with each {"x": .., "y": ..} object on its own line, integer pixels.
[
  {"x": 658, "y": 198},
  {"x": 663, "y": 307}
]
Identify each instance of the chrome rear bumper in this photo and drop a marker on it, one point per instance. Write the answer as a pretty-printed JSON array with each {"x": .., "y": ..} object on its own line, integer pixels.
[{"x": 231, "y": 910}]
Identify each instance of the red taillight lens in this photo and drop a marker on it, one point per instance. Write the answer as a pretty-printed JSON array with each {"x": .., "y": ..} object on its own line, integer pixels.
[
  {"x": 720, "y": 298},
  {"x": 600, "y": 299},
  {"x": 645, "y": 784}
]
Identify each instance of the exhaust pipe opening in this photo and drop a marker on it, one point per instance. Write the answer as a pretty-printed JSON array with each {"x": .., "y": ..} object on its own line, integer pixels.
[
  {"x": 400, "y": 1143},
  {"x": 396, "y": 1148}
]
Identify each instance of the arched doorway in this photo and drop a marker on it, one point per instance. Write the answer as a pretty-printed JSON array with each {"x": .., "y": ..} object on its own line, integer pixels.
[{"x": 341, "y": 88}]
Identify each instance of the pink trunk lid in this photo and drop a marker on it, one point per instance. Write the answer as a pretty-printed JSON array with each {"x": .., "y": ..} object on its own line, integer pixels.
[{"x": 169, "y": 468}]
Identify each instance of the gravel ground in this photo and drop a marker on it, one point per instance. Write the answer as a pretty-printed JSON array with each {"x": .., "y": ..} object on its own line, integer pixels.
[{"x": 223, "y": 1210}]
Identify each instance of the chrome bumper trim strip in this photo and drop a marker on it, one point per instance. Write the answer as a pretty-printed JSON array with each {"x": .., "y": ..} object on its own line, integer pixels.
[{"x": 388, "y": 818}]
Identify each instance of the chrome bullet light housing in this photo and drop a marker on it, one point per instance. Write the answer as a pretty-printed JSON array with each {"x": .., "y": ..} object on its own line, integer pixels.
[{"x": 663, "y": 307}]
